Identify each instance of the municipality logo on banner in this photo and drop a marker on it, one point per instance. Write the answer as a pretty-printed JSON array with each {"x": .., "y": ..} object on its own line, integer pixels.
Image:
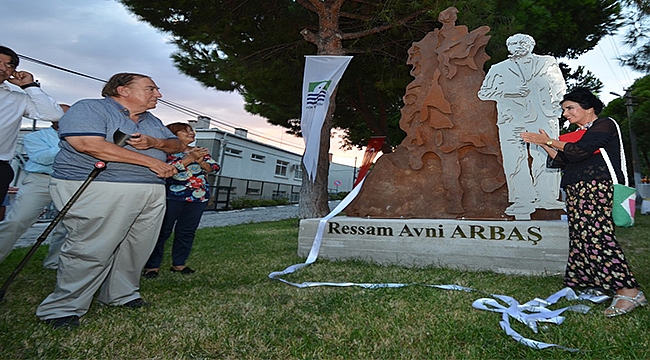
[
  {"x": 317, "y": 93},
  {"x": 322, "y": 75}
]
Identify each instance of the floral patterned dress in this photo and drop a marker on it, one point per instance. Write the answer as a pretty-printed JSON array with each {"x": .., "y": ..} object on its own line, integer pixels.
[
  {"x": 190, "y": 184},
  {"x": 187, "y": 195},
  {"x": 596, "y": 260}
]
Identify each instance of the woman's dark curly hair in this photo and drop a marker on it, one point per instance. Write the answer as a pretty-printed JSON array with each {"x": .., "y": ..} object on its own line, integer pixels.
[{"x": 585, "y": 98}]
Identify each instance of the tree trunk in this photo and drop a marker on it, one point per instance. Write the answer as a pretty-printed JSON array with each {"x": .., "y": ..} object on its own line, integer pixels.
[{"x": 313, "y": 195}]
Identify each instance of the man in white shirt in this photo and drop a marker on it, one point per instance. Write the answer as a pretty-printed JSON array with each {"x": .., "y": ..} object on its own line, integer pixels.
[
  {"x": 34, "y": 194},
  {"x": 31, "y": 103}
]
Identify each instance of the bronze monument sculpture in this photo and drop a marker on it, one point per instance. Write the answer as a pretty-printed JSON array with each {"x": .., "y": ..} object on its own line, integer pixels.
[{"x": 449, "y": 165}]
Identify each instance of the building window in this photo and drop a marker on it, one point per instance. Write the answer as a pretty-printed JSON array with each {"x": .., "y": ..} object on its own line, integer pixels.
[
  {"x": 297, "y": 172},
  {"x": 258, "y": 157},
  {"x": 251, "y": 191},
  {"x": 234, "y": 152},
  {"x": 279, "y": 194},
  {"x": 227, "y": 189},
  {"x": 281, "y": 168}
]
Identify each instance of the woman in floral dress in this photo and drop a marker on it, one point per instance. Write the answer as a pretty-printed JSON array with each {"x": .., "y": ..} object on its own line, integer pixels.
[
  {"x": 596, "y": 260},
  {"x": 187, "y": 196}
]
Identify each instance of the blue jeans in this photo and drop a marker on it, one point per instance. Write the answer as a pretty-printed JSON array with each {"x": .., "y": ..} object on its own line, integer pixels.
[{"x": 186, "y": 216}]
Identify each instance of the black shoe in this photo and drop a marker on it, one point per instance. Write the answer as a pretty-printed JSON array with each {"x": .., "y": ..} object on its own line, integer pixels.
[
  {"x": 150, "y": 274},
  {"x": 65, "y": 321},
  {"x": 185, "y": 270},
  {"x": 136, "y": 304}
]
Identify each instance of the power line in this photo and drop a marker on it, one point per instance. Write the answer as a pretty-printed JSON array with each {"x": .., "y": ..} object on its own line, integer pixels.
[
  {"x": 216, "y": 121},
  {"x": 172, "y": 105},
  {"x": 617, "y": 53},
  {"x": 39, "y": 62},
  {"x": 607, "y": 61}
]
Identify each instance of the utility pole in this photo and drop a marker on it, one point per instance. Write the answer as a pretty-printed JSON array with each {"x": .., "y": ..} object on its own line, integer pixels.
[{"x": 636, "y": 163}]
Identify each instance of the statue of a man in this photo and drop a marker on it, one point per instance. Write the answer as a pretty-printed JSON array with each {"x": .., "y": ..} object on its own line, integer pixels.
[{"x": 527, "y": 89}]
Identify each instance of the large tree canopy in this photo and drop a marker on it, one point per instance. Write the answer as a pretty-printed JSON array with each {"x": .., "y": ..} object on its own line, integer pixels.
[{"x": 257, "y": 47}]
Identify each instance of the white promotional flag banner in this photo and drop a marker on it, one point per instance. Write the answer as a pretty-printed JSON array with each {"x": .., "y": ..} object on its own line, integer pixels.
[{"x": 322, "y": 74}]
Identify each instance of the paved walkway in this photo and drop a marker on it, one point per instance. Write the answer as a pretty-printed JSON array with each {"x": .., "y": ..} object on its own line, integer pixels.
[{"x": 209, "y": 219}]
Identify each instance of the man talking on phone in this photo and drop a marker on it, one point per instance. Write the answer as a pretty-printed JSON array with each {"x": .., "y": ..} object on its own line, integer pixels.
[{"x": 31, "y": 103}]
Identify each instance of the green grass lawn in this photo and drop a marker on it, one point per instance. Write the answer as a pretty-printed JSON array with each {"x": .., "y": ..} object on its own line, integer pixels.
[{"x": 229, "y": 309}]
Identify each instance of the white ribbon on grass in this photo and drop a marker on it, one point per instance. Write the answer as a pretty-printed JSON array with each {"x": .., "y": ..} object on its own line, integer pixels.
[
  {"x": 318, "y": 239},
  {"x": 530, "y": 313}
]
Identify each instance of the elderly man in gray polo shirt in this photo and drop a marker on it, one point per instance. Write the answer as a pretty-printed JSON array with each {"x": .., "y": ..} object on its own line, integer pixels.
[{"x": 114, "y": 225}]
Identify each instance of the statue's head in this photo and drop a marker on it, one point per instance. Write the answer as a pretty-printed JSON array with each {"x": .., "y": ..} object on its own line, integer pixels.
[
  {"x": 448, "y": 16},
  {"x": 520, "y": 44}
]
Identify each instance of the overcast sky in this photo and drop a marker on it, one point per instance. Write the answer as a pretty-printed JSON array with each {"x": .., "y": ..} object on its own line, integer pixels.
[{"x": 100, "y": 38}]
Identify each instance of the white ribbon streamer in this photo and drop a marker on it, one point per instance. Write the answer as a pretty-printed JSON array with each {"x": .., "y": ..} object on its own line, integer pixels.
[
  {"x": 315, "y": 246},
  {"x": 531, "y": 313}
]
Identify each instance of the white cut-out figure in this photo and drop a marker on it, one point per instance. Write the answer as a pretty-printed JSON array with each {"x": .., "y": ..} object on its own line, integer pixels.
[{"x": 527, "y": 89}]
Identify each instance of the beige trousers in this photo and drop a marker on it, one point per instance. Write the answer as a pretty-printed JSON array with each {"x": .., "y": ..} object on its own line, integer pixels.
[{"x": 112, "y": 229}]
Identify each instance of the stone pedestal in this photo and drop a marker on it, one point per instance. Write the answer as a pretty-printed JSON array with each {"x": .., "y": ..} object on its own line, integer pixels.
[{"x": 511, "y": 247}]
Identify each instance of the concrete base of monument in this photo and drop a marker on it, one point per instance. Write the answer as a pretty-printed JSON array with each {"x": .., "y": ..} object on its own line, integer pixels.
[{"x": 511, "y": 247}]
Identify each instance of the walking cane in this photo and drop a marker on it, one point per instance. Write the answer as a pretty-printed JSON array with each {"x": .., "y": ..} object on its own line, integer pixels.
[{"x": 119, "y": 138}]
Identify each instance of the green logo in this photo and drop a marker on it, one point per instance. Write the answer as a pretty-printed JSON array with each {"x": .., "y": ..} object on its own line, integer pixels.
[{"x": 319, "y": 85}]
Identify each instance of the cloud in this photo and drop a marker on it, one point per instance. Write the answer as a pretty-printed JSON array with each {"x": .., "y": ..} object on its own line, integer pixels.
[{"x": 100, "y": 38}]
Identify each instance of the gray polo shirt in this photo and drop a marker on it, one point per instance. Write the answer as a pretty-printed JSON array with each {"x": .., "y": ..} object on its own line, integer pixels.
[{"x": 101, "y": 117}]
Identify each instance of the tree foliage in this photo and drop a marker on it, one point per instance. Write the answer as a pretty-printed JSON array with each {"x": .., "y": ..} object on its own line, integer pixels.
[
  {"x": 580, "y": 78},
  {"x": 637, "y": 36},
  {"x": 639, "y": 121},
  {"x": 257, "y": 47}
]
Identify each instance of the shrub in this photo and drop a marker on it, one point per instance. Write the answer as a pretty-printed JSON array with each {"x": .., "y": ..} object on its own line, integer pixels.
[
  {"x": 244, "y": 203},
  {"x": 339, "y": 195}
]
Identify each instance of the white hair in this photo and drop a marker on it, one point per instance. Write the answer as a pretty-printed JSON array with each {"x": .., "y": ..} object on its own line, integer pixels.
[{"x": 517, "y": 37}]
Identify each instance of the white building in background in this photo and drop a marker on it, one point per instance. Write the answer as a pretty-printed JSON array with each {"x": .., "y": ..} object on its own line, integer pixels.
[
  {"x": 249, "y": 168},
  {"x": 252, "y": 169}
]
